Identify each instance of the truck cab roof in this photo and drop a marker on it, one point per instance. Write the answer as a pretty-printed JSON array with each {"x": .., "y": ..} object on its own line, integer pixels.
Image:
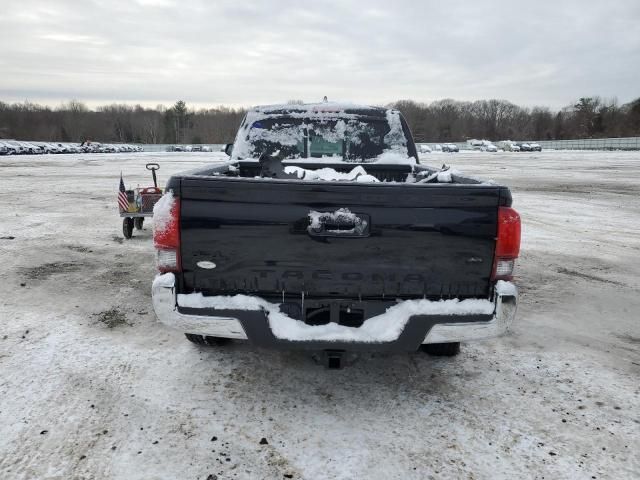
[{"x": 322, "y": 109}]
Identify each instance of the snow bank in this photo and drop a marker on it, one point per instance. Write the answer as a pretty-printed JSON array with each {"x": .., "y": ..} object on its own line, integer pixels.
[
  {"x": 162, "y": 211},
  {"x": 381, "y": 328},
  {"x": 358, "y": 174}
]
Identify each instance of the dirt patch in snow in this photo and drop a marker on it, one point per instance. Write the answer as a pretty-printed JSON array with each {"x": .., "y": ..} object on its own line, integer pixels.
[
  {"x": 582, "y": 189},
  {"x": 112, "y": 318},
  {"x": 586, "y": 276},
  {"x": 42, "y": 272},
  {"x": 78, "y": 248},
  {"x": 630, "y": 339}
]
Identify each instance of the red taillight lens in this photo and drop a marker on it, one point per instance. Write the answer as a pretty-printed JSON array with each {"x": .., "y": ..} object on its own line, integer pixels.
[
  {"x": 507, "y": 243},
  {"x": 166, "y": 239}
]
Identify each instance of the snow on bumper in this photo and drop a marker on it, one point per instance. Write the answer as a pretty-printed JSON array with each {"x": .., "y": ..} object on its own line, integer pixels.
[
  {"x": 165, "y": 306},
  {"x": 506, "y": 303},
  {"x": 222, "y": 316}
]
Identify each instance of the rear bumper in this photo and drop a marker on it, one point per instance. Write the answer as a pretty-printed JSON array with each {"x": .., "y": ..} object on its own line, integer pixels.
[{"x": 253, "y": 325}]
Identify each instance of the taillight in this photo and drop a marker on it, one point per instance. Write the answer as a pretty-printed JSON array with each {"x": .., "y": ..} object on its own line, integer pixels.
[
  {"x": 507, "y": 244},
  {"x": 166, "y": 233}
]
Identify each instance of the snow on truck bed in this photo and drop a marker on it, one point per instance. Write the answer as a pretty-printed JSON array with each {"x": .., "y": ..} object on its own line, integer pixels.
[{"x": 358, "y": 174}]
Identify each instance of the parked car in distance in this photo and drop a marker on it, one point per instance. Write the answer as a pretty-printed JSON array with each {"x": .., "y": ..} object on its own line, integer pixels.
[
  {"x": 509, "y": 146},
  {"x": 489, "y": 148},
  {"x": 42, "y": 147},
  {"x": 16, "y": 148},
  {"x": 535, "y": 147},
  {"x": 425, "y": 148},
  {"x": 475, "y": 144},
  {"x": 30, "y": 148},
  {"x": 524, "y": 147},
  {"x": 22, "y": 147},
  {"x": 450, "y": 147}
]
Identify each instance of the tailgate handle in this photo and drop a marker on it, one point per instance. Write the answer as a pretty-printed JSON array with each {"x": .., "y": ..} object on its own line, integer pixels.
[{"x": 339, "y": 223}]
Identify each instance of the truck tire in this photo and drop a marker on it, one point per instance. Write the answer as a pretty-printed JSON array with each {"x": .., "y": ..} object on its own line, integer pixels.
[
  {"x": 441, "y": 349},
  {"x": 138, "y": 222},
  {"x": 207, "y": 340},
  {"x": 127, "y": 227}
]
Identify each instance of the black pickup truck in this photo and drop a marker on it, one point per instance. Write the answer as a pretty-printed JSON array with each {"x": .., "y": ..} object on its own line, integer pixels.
[{"x": 324, "y": 231}]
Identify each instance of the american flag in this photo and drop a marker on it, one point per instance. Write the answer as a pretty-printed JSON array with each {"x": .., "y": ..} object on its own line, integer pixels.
[{"x": 123, "y": 203}]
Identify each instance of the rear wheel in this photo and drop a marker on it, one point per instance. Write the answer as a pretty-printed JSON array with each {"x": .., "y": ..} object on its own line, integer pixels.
[
  {"x": 127, "y": 227},
  {"x": 138, "y": 221},
  {"x": 207, "y": 340},
  {"x": 441, "y": 349}
]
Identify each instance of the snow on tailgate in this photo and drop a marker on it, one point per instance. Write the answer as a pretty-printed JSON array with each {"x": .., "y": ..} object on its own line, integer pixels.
[{"x": 341, "y": 216}]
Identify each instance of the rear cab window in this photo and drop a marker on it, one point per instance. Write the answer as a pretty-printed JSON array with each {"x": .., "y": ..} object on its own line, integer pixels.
[{"x": 333, "y": 136}]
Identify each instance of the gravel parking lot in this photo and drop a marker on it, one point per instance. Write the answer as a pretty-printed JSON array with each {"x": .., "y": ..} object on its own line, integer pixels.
[{"x": 92, "y": 387}]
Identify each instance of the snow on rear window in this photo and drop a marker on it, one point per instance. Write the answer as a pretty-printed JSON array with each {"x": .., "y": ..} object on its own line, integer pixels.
[
  {"x": 395, "y": 139},
  {"x": 279, "y": 134},
  {"x": 313, "y": 134}
]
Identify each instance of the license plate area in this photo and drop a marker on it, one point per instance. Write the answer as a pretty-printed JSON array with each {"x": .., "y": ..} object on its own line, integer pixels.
[{"x": 346, "y": 313}]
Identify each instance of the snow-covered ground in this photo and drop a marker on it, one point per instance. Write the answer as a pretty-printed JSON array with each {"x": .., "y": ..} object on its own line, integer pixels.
[{"x": 92, "y": 387}]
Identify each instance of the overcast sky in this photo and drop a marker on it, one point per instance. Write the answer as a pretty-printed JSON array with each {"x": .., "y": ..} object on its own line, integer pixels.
[{"x": 244, "y": 53}]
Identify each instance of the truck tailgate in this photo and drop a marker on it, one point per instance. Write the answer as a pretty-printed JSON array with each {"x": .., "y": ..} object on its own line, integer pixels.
[{"x": 418, "y": 240}]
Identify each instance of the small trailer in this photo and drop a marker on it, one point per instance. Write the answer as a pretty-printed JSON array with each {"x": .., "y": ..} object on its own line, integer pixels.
[{"x": 140, "y": 202}]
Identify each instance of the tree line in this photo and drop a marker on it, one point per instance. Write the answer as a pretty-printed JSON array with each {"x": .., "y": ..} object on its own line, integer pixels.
[
  {"x": 440, "y": 121},
  {"x": 455, "y": 121},
  {"x": 75, "y": 122}
]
